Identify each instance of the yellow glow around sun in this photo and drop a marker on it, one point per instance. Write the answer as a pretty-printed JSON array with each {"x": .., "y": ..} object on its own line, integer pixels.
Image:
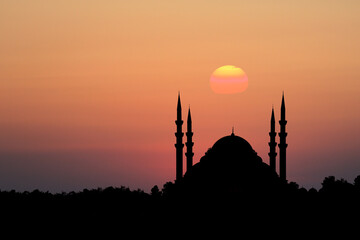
[
  {"x": 228, "y": 71},
  {"x": 228, "y": 79}
]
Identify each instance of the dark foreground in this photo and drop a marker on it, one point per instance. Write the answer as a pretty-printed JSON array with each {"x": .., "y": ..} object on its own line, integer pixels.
[{"x": 334, "y": 209}]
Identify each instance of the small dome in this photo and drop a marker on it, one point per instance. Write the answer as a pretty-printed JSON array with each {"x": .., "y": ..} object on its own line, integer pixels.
[
  {"x": 233, "y": 148},
  {"x": 232, "y": 143}
]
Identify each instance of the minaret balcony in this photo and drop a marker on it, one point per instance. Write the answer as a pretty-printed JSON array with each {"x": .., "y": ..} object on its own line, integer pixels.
[
  {"x": 272, "y": 134},
  {"x": 189, "y": 134},
  {"x": 179, "y": 145},
  {"x": 282, "y": 134},
  {"x": 282, "y": 145},
  {"x": 272, "y": 144},
  {"x": 283, "y": 122},
  {"x": 179, "y": 134}
]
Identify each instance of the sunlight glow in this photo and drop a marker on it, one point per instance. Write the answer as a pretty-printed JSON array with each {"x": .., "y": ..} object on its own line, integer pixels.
[{"x": 228, "y": 79}]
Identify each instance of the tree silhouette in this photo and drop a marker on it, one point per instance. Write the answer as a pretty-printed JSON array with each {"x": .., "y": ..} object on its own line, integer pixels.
[
  {"x": 357, "y": 182},
  {"x": 332, "y": 186},
  {"x": 155, "y": 192},
  {"x": 328, "y": 184}
]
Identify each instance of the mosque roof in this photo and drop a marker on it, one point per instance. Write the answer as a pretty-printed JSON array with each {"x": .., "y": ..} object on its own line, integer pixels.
[
  {"x": 231, "y": 165},
  {"x": 232, "y": 145}
]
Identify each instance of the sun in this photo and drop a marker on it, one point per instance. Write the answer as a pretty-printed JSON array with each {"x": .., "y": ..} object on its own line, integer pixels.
[{"x": 228, "y": 79}]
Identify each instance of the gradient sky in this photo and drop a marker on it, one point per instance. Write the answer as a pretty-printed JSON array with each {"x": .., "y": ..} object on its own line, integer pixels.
[{"x": 88, "y": 89}]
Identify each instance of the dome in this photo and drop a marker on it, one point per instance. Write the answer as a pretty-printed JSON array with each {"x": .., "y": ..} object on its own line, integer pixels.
[
  {"x": 232, "y": 166},
  {"x": 232, "y": 143},
  {"x": 233, "y": 148}
]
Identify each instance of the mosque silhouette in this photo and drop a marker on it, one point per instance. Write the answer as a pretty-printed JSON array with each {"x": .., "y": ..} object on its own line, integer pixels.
[{"x": 231, "y": 165}]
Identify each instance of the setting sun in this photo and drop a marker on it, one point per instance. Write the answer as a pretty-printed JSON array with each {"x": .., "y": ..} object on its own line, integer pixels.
[{"x": 228, "y": 79}]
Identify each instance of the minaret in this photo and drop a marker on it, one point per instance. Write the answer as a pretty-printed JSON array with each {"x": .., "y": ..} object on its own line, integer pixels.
[
  {"x": 189, "y": 144},
  {"x": 179, "y": 144},
  {"x": 282, "y": 145},
  {"x": 272, "y": 143}
]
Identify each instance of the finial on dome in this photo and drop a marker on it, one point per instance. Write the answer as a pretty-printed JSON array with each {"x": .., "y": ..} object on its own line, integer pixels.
[{"x": 232, "y": 131}]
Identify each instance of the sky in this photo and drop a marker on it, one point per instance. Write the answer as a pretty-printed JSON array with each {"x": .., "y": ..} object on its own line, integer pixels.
[{"x": 88, "y": 89}]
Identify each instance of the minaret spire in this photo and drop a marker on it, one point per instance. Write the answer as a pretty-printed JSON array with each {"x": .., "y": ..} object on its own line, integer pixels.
[
  {"x": 179, "y": 142},
  {"x": 283, "y": 107},
  {"x": 189, "y": 143},
  {"x": 272, "y": 143},
  {"x": 282, "y": 145},
  {"x": 179, "y": 108}
]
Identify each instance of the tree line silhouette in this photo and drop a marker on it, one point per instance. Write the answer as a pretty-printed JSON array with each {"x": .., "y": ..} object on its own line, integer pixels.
[
  {"x": 332, "y": 188},
  {"x": 336, "y": 201}
]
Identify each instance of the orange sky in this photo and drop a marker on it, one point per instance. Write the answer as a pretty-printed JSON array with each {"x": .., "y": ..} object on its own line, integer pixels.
[{"x": 88, "y": 89}]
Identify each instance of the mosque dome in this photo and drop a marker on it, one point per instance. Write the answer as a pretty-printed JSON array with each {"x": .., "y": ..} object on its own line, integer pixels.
[
  {"x": 231, "y": 165},
  {"x": 233, "y": 146}
]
